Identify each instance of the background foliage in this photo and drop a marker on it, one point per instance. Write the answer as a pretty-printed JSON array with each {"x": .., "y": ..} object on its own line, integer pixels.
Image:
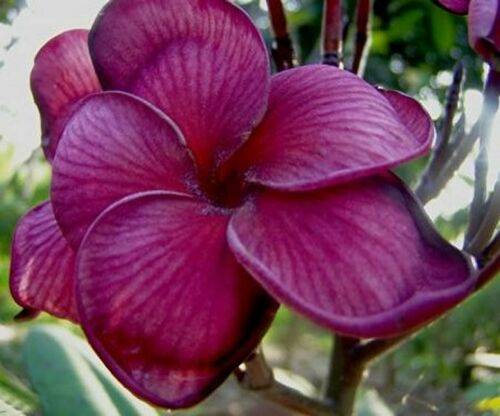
[{"x": 43, "y": 366}]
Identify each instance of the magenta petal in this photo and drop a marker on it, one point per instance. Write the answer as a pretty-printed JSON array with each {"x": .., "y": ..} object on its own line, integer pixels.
[
  {"x": 326, "y": 126},
  {"x": 362, "y": 259},
  {"x": 42, "y": 268},
  {"x": 113, "y": 146},
  {"x": 62, "y": 75},
  {"x": 203, "y": 63},
  {"x": 412, "y": 115},
  {"x": 455, "y": 6},
  {"x": 163, "y": 301},
  {"x": 484, "y": 29}
]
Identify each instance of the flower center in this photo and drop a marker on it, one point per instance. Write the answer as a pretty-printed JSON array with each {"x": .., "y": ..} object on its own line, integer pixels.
[{"x": 227, "y": 191}]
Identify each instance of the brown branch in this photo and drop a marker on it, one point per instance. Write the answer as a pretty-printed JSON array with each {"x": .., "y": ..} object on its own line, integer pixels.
[
  {"x": 491, "y": 250},
  {"x": 429, "y": 186},
  {"x": 258, "y": 378},
  {"x": 435, "y": 179},
  {"x": 345, "y": 375},
  {"x": 491, "y": 268},
  {"x": 372, "y": 349},
  {"x": 490, "y": 107},
  {"x": 282, "y": 50},
  {"x": 332, "y": 33},
  {"x": 488, "y": 221},
  {"x": 460, "y": 148},
  {"x": 363, "y": 23}
]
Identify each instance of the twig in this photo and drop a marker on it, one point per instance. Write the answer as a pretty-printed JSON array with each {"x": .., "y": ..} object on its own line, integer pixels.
[
  {"x": 370, "y": 350},
  {"x": 345, "y": 375},
  {"x": 477, "y": 208},
  {"x": 435, "y": 179},
  {"x": 460, "y": 148},
  {"x": 332, "y": 33},
  {"x": 428, "y": 187},
  {"x": 488, "y": 219},
  {"x": 363, "y": 22},
  {"x": 258, "y": 378},
  {"x": 490, "y": 251},
  {"x": 492, "y": 267},
  {"x": 282, "y": 50}
]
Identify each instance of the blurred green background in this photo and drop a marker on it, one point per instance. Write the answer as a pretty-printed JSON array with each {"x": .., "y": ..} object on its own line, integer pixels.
[{"x": 415, "y": 44}]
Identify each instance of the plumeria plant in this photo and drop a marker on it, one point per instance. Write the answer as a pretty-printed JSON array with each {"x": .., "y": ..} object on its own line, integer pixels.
[{"x": 194, "y": 191}]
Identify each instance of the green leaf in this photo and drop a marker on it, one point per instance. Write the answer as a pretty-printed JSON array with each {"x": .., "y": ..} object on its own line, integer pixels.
[
  {"x": 14, "y": 392},
  {"x": 68, "y": 375},
  {"x": 443, "y": 30}
]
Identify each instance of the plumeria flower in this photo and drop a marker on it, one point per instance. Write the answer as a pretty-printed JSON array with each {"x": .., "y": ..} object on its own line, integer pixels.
[
  {"x": 192, "y": 191},
  {"x": 484, "y": 26}
]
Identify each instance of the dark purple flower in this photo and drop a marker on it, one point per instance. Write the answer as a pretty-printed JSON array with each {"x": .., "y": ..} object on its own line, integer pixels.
[
  {"x": 197, "y": 191},
  {"x": 484, "y": 26}
]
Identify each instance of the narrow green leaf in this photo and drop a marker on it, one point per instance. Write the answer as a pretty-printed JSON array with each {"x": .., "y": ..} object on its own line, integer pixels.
[
  {"x": 14, "y": 392},
  {"x": 67, "y": 375}
]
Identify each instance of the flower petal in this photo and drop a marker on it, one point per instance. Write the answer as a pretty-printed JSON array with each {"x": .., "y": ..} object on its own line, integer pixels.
[
  {"x": 412, "y": 115},
  {"x": 163, "y": 301},
  {"x": 42, "y": 267},
  {"x": 454, "y": 6},
  {"x": 484, "y": 29},
  {"x": 326, "y": 126},
  {"x": 203, "y": 63},
  {"x": 62, "y": 75},
  {"x": 362, "y": 259},
  {"x": 113, "y": 146}
]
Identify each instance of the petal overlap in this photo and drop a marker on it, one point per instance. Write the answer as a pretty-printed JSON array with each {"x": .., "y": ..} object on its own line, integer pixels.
[
  {"x": 325, "y": 126},
  {"x": 113, "y": 146},
  {"x": 62, "y": 75},
  {"x": 361, "y": 259},
  {"x": 203, "y": 63},
  {"x": 42, "y": 267},
  {"x": 162, "y": 299}
]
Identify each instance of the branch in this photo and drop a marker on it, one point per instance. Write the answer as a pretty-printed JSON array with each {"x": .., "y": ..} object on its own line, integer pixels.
[
  {"x": 258, "y": 378},
  {"x": 477, "y": 209},
  {"x": 363, "y": 23},
  {"x": 490, "y": 251},
  {"x": 332, "y": 33},
  {"x": 282, "y": 50},
  {"x": 370, "y": 350},
  {"x": 345, "y": 375},
  {"x": 428, "y": 187},
  {"x": 490, "y": 270},
  {"x": 488, "y": 220}
]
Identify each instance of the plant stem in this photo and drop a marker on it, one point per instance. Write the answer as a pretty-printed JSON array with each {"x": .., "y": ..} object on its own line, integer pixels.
[
  {"x": 332, "y": 33},
  {"x": 363, "y": 22},
  {"x": 488, "y": 217},
  {"x": 490, "y": 251},
  {"x": 490, "y": 107},
  {"x": 282, "y": 50},
  {"x": 258, "y": 377},
  {"x": 345, "y": 375},
  {"x": 491, "y": 268},
  {"x": 427, "y": 189},
  {"x": 437, "y": 175}
]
